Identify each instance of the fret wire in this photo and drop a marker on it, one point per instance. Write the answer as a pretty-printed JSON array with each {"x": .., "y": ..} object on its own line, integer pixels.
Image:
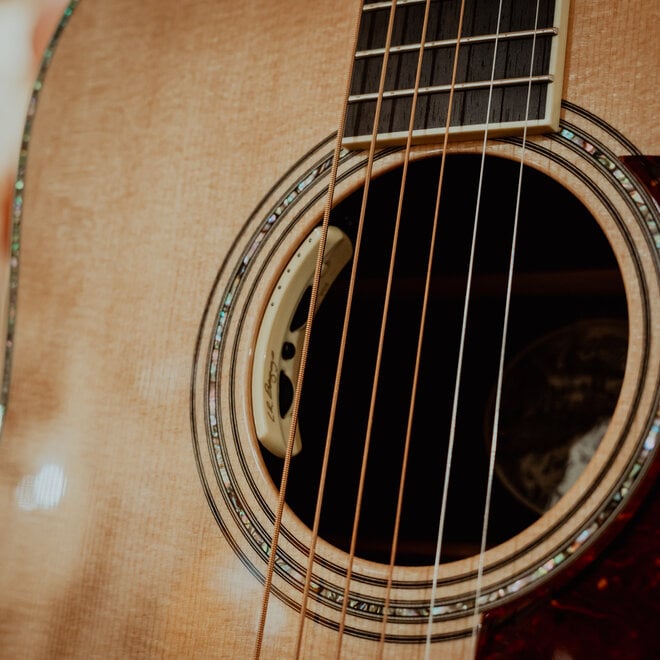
[
  {"x": 444, "y": 43},
  {"x": 435, "y": 89}
]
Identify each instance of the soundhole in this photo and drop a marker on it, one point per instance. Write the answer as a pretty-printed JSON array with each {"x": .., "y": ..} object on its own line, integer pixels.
[{"x": 565, "y": 355}]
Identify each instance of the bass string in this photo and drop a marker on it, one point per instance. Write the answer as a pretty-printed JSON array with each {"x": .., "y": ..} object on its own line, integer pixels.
[
  {"x": 427, "y": 288},
  {"x": 295, "y": 406},
  {"x": 384, "y": 317},
  {"x": 363, "y": 210},
  {"x": 406, "y": 161},
  {"x": 406, "y": 448},
  {"x": 343, "y": 340},
  {"x": 335, "y": 396},
  {"x": 503, "y": 342}
]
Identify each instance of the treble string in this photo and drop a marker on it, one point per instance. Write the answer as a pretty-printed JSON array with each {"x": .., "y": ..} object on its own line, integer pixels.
[
  {"x": 505, "y": 326},
  {"x": 461, "y": 350}
]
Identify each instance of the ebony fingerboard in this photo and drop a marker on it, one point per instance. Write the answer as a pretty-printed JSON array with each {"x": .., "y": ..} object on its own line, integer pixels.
[{"x": 522, "y": 38}]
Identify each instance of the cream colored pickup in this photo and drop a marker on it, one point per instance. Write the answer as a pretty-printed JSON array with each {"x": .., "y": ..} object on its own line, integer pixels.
[{"x": 277, "y": 351}]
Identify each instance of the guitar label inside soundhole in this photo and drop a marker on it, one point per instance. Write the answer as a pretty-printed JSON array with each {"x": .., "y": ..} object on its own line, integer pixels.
[
  {"x": 556, "y": 406},
  {"x": 565, "y": 274}
]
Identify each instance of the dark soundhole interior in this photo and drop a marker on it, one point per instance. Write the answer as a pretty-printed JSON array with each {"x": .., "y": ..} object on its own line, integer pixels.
[{"x": 565, "y": 356}]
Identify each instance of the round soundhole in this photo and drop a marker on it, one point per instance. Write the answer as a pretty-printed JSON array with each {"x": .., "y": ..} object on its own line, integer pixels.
[{"x": 566, "y": 345}]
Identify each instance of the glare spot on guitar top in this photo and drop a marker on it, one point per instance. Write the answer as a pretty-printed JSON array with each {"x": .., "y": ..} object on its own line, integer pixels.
[{"x": 44, "y": 490}]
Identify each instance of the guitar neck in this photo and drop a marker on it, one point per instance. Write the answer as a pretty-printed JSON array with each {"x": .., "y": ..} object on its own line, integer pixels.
[{"x": 502, "y": 70}]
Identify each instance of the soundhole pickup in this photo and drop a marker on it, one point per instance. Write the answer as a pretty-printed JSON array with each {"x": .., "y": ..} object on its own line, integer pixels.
[{"x": 277, "y": 351}]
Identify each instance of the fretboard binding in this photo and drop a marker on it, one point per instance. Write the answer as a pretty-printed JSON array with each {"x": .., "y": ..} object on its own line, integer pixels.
[
  {"x": 439, "y": 89},
  {"x": 444, "y": 43}
]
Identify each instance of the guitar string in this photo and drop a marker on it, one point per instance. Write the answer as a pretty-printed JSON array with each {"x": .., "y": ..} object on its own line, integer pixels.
[
  {"x": 505, "y": 325},
  {"x": 461, "y": 350},
  {"x": 303, "y": 360},
  {"x": 294, "y": 419},
  {"x": 356, "y": 252},
  {"x": 356, "y": 517},
  {"x": 406, "y": 448},
  {"x": 358, "y": 240},
  {"x": 295, "y": 407},
  {"x": 425, "y": 298}
]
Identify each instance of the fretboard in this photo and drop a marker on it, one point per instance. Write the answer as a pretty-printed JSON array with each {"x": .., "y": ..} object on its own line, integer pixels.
[{"x": 522, "y": 90}]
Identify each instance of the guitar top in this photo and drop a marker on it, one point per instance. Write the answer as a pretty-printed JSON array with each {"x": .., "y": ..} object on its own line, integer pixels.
[{"x": 493, "y": 419}]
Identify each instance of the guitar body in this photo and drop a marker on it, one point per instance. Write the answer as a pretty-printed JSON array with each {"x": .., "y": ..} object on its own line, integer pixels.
[{"x": 160, "y": 128}]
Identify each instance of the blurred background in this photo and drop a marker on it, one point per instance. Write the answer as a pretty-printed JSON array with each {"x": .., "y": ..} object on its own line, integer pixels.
[{"x": 25, "y": 28}]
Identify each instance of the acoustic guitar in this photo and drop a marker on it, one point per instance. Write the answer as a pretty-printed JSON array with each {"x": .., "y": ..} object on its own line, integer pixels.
[{"x": 333, "y": 331}]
